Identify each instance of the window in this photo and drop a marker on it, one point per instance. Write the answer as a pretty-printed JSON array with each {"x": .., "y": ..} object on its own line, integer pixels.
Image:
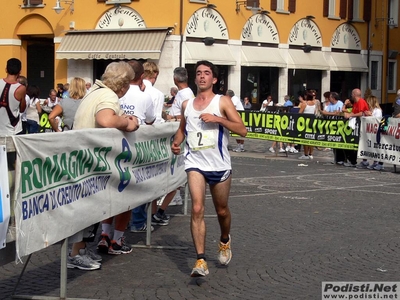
[
  {"x": 392, "y": 76},
  {"x": 356, "y": 10},
  {"x": 374, "y": 75},
  {"x": 331, "y": 9},
  {"x": 29, "y": 3},
  {"x": 394, "y": 12}
]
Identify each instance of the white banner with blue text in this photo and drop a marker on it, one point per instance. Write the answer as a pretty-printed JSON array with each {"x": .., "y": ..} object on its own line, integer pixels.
[
  {"x": 4, "y": 197},
  {"x": 70, "y": 180}
]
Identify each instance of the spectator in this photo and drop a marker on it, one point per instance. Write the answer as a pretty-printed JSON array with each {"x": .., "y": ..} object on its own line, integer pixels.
[
  {"x": 33, "y": 109},
  {"x": 88, "y": 85},
  {"x": 65, "y": 93},
  {"x": 68, "y": 106},
  {"x": 14, "y": 95},
  {"x": 239, "y": 107},
  {"x": 335, "y": 105},
  {"x": 246, "y": 103},
  {"x": 396, "y": 106},
  {"x": 334, "y": 108},
  {"x": 326, "y": 100},
  {"x": 360, "y": 108},
  {"x": 100, "y": 108},
  {"x": 375, "y": 111},
  {"x": 205, "y": 164},
  {"x": 52, "y": 100},
  {"x": 288, "y": 102},
  {"x": 173, "y": 91},
  {"x": 150, "y": 76},
  {"x": 264, "y": 106},
  {"x": 184, "y": 93},
  {"x": 60, "y": 90},
  {"x": 24, "y": 81},
  {"x": 308, "y": 106}
]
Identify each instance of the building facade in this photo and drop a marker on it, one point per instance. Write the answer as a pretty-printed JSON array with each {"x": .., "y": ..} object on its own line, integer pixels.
[{"x": 262, "y": 47}]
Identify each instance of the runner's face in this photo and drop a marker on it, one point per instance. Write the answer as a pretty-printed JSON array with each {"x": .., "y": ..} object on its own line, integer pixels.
[{"x": 204, "y": 78}]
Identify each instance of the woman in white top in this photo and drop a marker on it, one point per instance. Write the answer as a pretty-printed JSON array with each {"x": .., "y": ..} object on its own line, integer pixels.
[
  {"x": 308, "y": 105},
  {"x": 33, "y": 109},
  {"x": 375, "y": 111}
]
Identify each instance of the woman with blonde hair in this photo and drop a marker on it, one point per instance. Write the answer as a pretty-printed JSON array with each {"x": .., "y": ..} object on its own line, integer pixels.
[
  {"x": 68, "y": 106},
  {"x": 374, "y": 111}
]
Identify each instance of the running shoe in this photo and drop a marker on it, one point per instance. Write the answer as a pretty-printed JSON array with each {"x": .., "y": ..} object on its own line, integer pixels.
[
  {"x": 362, "y": 165},
  {"x": 82, "y": 263},
  {"x": 88, "y": 252},
  {"x": 158, "y": 220},
  {"x": 378, "y": 167},
  {"x": 349, "y": 165},
  {"x": 104, "y": 243},
  {"x": 117, "y": 249},
  {"x": 224, "y": 252},
  {"x": 141, "y": 229},
  {"x": 200, "y": 268}
]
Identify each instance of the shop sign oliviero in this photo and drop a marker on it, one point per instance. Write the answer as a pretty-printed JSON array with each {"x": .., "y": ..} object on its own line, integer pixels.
[
  {"x": 346, "y": 37},
  {"x": 121, "y": 17},
  {"x": 207, "y": 22},
  {"x": 305, "y": 32},
  {"x": 260, "y": 28}
]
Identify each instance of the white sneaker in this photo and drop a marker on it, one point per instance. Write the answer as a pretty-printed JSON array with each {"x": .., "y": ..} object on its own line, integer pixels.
[
  {"x": 281, "y": 150},
  {"x": 304, "y": 157},
  {"x": 310, "y": 157},
  {"x": 225, "y": 252},
  {"x": 293, "y": 150},
  {"x": 237, "y": 149},
  {"x": 287, "y": 148},
  {"x": 271, "y": 150},
  {"x": 177, "y": 200}
]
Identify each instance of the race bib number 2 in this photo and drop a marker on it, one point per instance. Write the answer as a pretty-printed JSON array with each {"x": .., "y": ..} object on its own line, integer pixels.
[{"x": 200, "y": 140}]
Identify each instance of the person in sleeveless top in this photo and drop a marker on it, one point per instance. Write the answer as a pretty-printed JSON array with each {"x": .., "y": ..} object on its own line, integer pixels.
[
  {"x": 207, "y": 120},
  {"x": 308, "y": 106}
]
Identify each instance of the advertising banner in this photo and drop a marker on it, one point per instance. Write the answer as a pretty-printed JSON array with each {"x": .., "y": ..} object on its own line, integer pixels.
[
  {"x": 380, "y": 142},
  {"x": 305, "y": 129},
  {"x": 68, "y": 181},
  {"x": 4, "y": 197}
]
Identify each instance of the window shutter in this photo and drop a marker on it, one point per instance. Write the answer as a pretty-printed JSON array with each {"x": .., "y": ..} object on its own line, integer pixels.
[
  {"x": 253, "y": 3},
  {"x": 367, "y": 10},
  {"x": 343, "y": 9},
  {"x": 325, "y": 11},
  {"x": 350, "y": 10},
  {"x": 33, "y": 2},
  {"x": 274, "y": 4},
  {"x": 292, "y": 6}
]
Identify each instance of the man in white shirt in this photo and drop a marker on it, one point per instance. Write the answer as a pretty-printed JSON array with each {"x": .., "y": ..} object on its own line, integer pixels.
[
  {"x": 138, "y": 103},
  {"x": 150, "y": 75},
  {"x": 184, "y": 93}
]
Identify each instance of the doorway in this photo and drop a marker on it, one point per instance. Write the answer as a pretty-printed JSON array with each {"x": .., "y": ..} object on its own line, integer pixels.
[{"x": 40, "y": 64}]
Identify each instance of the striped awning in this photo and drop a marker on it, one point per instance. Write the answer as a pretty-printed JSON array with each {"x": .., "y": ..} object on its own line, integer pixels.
[{"x": 113, "y": 44}]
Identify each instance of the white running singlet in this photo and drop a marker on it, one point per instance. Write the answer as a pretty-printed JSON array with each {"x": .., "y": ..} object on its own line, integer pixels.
[{"x": 206, "y": 145}]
